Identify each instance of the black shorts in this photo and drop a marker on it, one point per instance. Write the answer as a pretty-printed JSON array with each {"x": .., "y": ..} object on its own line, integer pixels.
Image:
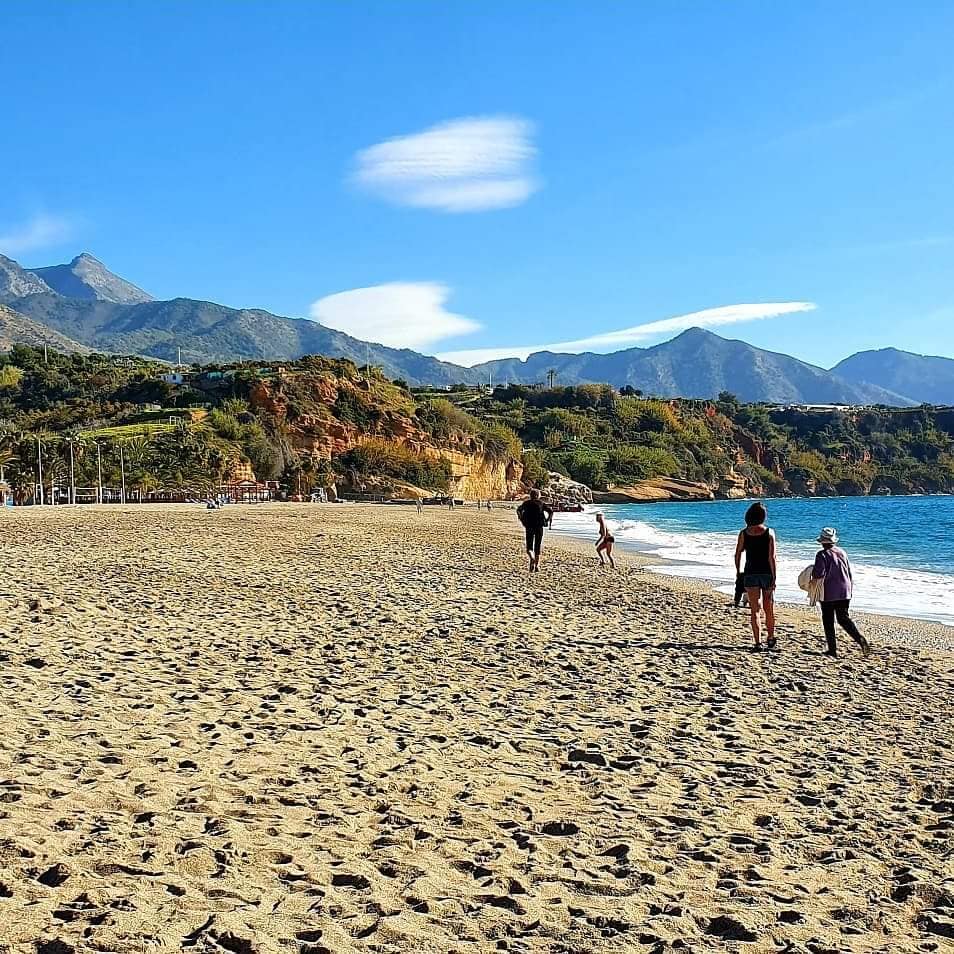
[{"x": 534, "y": 539}]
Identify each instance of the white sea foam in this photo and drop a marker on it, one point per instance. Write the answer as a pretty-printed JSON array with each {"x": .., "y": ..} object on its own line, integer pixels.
[{"x": 709, "y": 556}]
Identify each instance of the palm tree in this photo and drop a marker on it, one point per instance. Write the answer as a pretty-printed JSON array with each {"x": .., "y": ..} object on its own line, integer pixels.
[
  {"x": 42, "y": 441},
  {"x": 146, "y": 483},
  {"x": 18, "y": 465},
  {"x": 6, "y": 458}
]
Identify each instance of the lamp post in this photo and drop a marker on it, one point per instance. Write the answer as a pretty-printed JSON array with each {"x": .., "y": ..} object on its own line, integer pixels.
[
  {"x": 122, "y": 471},
  {"x": 39, "y": 468},
  {"x": 72, "y": 475},
  {"x": 99, "y": 473}
]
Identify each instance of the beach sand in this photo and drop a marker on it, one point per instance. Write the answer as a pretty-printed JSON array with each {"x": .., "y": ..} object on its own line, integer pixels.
[{"x": 343, "y": 728}]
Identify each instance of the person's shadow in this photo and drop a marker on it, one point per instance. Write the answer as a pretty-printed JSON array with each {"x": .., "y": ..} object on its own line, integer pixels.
[{"x": 746, "y": 648}]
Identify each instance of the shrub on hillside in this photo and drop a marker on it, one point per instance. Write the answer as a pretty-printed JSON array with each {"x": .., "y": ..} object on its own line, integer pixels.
[
  {"x": 354, "y": 407},
  {"x": 567, "y": 422},
  {"x": 378, "y": 458},
  {"x": 583, "y": 464},
  {"x": 630, "y": 462},
  {"x": 501, "y": 443},
  {"x": 10, "y": 376},
  {"x": 443, "y": 419},
  {"x": 535, "y": 470},
  {"x": 639, "y": 414}
]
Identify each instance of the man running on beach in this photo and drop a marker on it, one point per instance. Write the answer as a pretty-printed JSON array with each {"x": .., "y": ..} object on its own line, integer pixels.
[{"x": 534, "y": 514}]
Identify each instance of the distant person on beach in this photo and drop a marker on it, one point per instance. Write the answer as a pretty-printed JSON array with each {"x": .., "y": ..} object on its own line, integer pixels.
[
  {"x": 757, "y": 542},
  {"x": 420, "y": 506},
  {"x": 604, "y": 543},
  {"x": 534, "y": 514},
  {"x": 832, "y": 566}
]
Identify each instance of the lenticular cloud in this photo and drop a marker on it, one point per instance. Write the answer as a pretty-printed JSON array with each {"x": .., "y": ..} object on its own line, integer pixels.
[
  {"x": 465, "y": 165},
  {"x": 397, "y": 314}
]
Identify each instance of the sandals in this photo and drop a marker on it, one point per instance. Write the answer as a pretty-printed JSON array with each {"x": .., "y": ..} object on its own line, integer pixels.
[{"x": 772, "y": 642}]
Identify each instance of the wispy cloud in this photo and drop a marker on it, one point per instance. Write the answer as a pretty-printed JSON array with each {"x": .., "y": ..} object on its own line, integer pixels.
[
  {"x": 639, "y": 334},
  {"x": 867, "y": 113},
  {"x": 892, "y": 245},
  {"x": 464, "y": 165},
  {"x": 398, "y": 314},
  {"x": 40, "y": 231}
]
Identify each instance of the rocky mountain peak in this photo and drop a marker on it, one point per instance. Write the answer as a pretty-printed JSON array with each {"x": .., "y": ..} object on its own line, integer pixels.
[
  {"x": 86, "y": 277},
  {"x": 17, "y": 282}
]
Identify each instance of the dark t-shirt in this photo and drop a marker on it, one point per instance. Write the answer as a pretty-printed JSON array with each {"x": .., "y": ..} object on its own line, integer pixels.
[{"x": 534, "y": 514}]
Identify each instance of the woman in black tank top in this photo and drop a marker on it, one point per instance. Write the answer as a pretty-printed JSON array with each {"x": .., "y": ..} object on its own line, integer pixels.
[{"x": 757, "y": 543}]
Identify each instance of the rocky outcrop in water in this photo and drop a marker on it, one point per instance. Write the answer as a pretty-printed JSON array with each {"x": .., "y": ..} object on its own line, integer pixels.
[{"x": 655, "y": 490}]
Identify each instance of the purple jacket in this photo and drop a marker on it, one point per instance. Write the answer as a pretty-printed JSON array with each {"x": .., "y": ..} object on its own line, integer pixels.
[{"x": 832, "y": 566}]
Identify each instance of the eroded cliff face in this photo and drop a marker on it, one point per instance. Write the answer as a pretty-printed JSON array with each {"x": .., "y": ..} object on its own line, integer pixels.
[
  {"x": 474, "y": 474},
  {"x": 753, "y": 449}
]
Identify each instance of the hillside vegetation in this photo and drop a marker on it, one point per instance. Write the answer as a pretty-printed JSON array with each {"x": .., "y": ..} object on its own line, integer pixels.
[
  {"x": 320, "y": 422},
  {"x": 603, "y": 437},
  {"x": 18, "y": 329},
  {"x": 314, "y": 423}
]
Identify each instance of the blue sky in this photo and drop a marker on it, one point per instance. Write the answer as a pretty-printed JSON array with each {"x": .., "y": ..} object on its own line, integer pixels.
[{"x": 461, "y": 176}]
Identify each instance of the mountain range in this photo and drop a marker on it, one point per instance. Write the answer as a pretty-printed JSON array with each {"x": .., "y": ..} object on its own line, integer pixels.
[
  {"x": 89, "y": 307},
  {"x": 18, "y": 329}
]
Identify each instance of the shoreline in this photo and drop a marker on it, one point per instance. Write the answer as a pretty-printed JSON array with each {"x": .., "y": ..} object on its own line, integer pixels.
[
  {"x": 648, "y": 555},
  {"x": 891, "y": 629}
]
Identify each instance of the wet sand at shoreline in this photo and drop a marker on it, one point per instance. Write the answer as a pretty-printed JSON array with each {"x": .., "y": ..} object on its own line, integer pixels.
[{"x": 345, "y": 728}]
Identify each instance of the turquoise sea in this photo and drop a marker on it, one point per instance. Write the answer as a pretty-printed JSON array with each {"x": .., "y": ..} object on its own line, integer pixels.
[{"x": 901, "y": 548}]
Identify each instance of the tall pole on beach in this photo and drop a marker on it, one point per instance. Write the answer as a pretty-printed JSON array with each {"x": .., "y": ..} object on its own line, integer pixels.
[
  {"x": 99, "y": 473},
  {"x": 122, "y": 471},
  {"x": 72, "y": 477},
  {"x": 39, "y": 468}
]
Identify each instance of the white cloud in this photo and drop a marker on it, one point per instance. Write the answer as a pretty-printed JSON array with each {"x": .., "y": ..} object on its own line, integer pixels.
[
  {"x": 464, "y": 165},
  {"x": 41, "y": 231},
  {"x": 398, "y": 314},
  {"x": 627, "y": 337}
]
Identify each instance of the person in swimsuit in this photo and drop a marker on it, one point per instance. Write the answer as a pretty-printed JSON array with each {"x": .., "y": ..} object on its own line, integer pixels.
[
  {"x": 534, "y": 514},
  {"x": 605, "y": 542},
  {"x": 757, "y": 542}
]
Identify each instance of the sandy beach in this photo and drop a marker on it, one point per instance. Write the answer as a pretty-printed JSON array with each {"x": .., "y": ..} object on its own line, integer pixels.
[{"x": 352, "y": 728}]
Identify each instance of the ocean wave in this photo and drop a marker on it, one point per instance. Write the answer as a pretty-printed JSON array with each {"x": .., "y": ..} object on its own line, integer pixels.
[{"x": 694, "y": 554}]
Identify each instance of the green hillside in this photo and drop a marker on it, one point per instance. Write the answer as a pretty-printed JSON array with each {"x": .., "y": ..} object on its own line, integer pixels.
[
  {"x": 604, "y": 437},
  {"x": 307, "y": 424},
  {"x": 318, "y": 421}
]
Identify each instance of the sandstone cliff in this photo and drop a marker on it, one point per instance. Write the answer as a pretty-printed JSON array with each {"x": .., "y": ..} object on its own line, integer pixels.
[{"x": 316, "y": 428}]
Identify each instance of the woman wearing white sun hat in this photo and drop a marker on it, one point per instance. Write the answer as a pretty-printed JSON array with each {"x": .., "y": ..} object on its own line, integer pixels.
[{"x": 832, "y": 566}]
